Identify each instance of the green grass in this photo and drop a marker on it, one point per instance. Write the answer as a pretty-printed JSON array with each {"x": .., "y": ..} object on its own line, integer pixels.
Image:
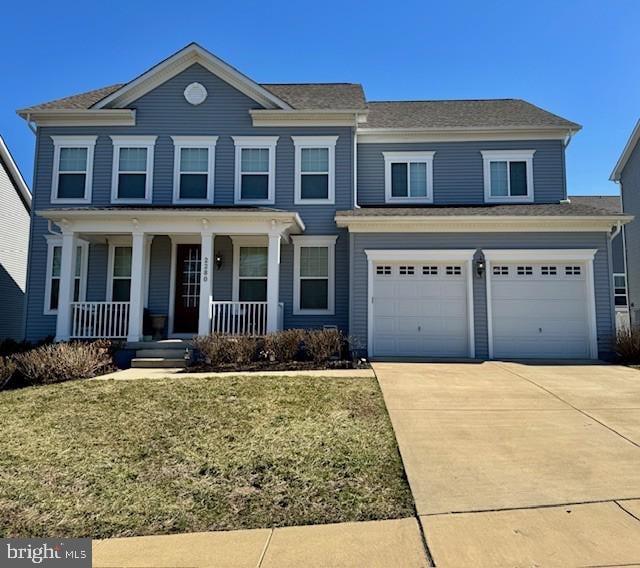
[{"x": 158, "y": 456}]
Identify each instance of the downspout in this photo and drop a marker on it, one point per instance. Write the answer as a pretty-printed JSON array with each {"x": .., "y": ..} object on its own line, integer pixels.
[{"x": 355, "y": 163}]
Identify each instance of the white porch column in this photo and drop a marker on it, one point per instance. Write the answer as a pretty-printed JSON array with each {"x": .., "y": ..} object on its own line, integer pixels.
[
  {"x": 136, "y": 307},
  {"x": 65, "y": 293},
  {"x": 206, "y": 290},
  {"x": 273, "y": 282}
]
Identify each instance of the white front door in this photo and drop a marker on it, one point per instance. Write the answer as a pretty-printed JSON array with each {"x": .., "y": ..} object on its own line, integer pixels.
[
  {"x": 540, "y": 310},
  {"x": 420, "y": 309}
]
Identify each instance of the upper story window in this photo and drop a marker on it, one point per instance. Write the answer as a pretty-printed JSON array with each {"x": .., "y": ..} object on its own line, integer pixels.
[
  {"x": 314, "y": 274},
  {"x": 72, "y": 169},
  {"x": 132, "y": 179},
  {"x": 255, "y": 169},
  {"x": 54, "y": 265},
  {"x": 508, "y": 176},
  {"x": 408, "y": 177},
  {"x": 315, "y": 169},
  {"x": 194, "y": 166}
]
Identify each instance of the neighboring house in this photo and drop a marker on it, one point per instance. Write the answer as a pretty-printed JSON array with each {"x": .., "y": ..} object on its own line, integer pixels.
[
  {"x": 15, "y": 215},
  {"x": 613, "y": 203},
  {"x": 627, "y": 173},
  {"x": 421, "y": 229}
]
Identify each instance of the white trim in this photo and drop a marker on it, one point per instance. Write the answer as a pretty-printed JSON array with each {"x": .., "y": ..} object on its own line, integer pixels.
[
  {"x": 59, "y": 142},
  {"x": 508, "y": 156},
  {"x": 120, "y": 142},
  {"x": 14, "y": 174},
  {"x": 329, "y": 242},
  {"x": 207, "y": 142},
  {"x": 478, "y": 223},
  {"x": 239, "y": 241},
  {"x": 264, "y": 142},
  {"x": 408, "y": 158},
  {"x": 585, "y": 256},
  {"x": 56, "y": 241},
  {"x": 177, "y": 63},
  {"x": 452, "y": 255},
  {"x": 328, "y": 142},
  {"x": 626, "y": 153},
  {"x": 626, "y": 291},
  {"x": 113, "y": 243},
  {"x": 80, "y": 117},
  {"x": 425, "y": 135},
  {"x": 320, "y": 117},
  {"x": 190, "y": 239}
]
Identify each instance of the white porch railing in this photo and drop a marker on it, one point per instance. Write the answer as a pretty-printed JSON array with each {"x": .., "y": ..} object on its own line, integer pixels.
[
  {"x": 241, "y": 318},
  {"x": 99, "y": 320}
]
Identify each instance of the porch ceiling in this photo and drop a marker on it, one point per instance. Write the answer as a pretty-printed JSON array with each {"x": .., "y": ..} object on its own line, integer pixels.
[{"x": 176, "y": 220}]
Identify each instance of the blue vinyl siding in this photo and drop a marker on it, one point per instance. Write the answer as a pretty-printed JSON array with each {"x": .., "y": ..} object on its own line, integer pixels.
[
  {"x": 630, "y": 184},
  {"x": 458, "y": 174}
]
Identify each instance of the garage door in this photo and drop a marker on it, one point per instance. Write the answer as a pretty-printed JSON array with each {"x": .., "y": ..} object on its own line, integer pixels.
[
  {"x": 540, "y": 310},
  {"x": 419, "y": 309}
]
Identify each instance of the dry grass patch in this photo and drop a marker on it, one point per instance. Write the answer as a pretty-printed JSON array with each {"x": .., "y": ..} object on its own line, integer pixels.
[{"x": 121, "y": 458}]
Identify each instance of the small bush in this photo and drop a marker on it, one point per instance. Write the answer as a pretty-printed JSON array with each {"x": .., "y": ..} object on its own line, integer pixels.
[
  {"x": 628, "y": 344},
  {"x": 244, "y": 349},
  {"x": 64, "y": 362},
  {"x": 7, "y": 368},
  {"x": 323, "y": 344},
  {"x": 217, "y": 349},
  {"x": 283, "y": 346}
]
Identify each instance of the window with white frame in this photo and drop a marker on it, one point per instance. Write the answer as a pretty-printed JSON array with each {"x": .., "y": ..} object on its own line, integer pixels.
[
  {"x": 252, "y": 273},
  {"x": 255, "y": 169},
  {"x": 314, "y": 275},
  {"x": 194, "y": 166},
  {"x": 72, "y": 169},
  {"x": 620, "y": 290},
  {"x": 53, "y": 272},
  {"x": 408, "y": 177},
  {"x": 508, "y": 175},
  {"x": 315, "y": 169},
  {"x": 132, "y": 179},
  {"x": 119, "y": 285}
]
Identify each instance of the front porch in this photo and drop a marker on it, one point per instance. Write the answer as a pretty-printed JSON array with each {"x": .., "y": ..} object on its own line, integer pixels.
[{"x": 198, "y": 271}]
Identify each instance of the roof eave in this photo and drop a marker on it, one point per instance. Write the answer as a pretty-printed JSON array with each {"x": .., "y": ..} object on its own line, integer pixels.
[
  {"x": 626, "y": 153},
  {"x": 16, "y": 175},
  {"x": 80, "y": 117}
]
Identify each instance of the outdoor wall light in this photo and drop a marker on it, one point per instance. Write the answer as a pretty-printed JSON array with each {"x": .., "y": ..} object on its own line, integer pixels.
[
  {"x": 218, "y": 260},
  {"x": 480, "y": 266}
]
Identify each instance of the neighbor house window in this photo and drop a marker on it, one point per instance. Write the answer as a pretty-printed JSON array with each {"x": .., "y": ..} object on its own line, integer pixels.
[
  {"x": 620, "y": 290},
  {"x": 314, "y": 275},
  {"x": 508, "y": 175},
  {"x": 255, "y": 169},
  {"x": 194, "y": 166},
  {"x": 119, "y": 286},
  {"x": 132, "y": 179},
  {"x": 72, "y": 169},
  {"x": 53, "y": 272},
  {"x": 315, "y": 169},
  {"x": 408, "y": 177}
]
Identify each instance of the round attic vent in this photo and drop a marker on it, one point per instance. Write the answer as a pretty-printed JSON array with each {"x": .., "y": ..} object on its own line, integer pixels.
[{"x": 195, "y": 93}]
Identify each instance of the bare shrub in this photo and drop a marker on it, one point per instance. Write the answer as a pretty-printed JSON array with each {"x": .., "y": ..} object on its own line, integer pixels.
[
  {"x": 64, "y": 362},
  {"x": 284, "y": 345},
  {"x": 214, "y": 349},
  {"x": 245, "y": 349},
  {"x": 628, "y": 344},
  {"x": 7, "y": 368},
  {"x": 323, "y": 344}
]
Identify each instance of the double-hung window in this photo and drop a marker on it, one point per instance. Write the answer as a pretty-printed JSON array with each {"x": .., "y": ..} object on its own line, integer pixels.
[
  {"x": 315, "y": 169},
  {"x": 620, "y": 290},
  {"x": 255, "y": 169},
  {"x": 508, "y": 176},
  {"x": 132, "y": 178},
  {"x": 314, "y": 275},
  {"x": 250, "y": 261},
  {"x": 408, "y": 177},
  {"x": 72, "y": 169},
  {"x": 54, "y": 262},
  {"x": 194, "y": 166},
  {"x": 119, "y": 284}
]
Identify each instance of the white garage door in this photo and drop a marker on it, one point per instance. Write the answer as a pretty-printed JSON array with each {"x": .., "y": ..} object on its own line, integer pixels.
[
  {"x": 540, "y": 310},
  {"x": 420, "y": 310}
]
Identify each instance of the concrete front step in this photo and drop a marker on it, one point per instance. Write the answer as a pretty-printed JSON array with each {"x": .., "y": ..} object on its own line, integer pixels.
[
  {"x": 158, "y": 363},
  {"x": 166, "y": 353}
]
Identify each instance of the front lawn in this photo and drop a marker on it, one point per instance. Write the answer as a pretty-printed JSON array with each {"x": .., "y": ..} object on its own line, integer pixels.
[{"x": 156, "y": 456}]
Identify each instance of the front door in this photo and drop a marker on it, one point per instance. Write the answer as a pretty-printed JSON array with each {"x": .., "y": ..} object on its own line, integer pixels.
[{"x": 187, "y": 297}]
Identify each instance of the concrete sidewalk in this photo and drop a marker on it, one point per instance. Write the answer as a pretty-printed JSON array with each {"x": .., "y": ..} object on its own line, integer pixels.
[{"x": 375, "y": 544}]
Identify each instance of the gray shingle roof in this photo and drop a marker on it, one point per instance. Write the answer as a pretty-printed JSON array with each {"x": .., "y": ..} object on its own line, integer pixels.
[
  {"x": 491, "y": 113},
  {"x": 524, "y": 210},
  {"x": 611, "y": 203},
  {"x": 320, "y": 95},
  {"x": 81, "y": 101}
]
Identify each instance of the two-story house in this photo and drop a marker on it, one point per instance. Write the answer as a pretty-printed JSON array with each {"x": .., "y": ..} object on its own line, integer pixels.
[{"x": 421, "y": 229}]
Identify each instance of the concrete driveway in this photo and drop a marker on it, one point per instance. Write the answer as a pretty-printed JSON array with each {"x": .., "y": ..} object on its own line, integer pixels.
[{"x": 520, "y": 464}]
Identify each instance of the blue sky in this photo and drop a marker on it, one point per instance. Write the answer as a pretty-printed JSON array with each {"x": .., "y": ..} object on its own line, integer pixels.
[{"x": 575, "y": 58}]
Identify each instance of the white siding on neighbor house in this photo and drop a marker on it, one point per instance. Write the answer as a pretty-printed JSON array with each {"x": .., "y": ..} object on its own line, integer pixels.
[{"x": 14, "y": 243}]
